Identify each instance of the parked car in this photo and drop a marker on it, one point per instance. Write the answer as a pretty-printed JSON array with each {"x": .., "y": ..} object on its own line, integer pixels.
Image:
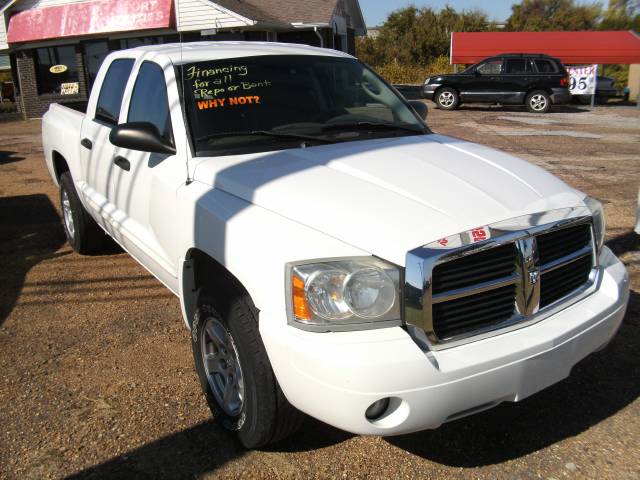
[
  {"x": 536, "y": 81},
  {"x": 331, "y": 255},
  {"x": 605, "y": 89}
]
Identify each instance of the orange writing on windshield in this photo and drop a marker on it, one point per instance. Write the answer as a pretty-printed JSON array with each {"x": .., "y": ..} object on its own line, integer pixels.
[{"x": 227, "y": 102}]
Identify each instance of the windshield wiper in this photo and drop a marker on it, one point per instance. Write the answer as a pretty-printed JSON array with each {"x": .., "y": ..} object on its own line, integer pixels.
[
  {"x": 371, "y": 126},
  {"x": 265, "y": 133}
]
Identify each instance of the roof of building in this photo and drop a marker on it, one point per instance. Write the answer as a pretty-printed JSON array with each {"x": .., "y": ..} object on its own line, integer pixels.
[
  {"x": 601, "y": 47},
  {"x": 283, "y": 11}
]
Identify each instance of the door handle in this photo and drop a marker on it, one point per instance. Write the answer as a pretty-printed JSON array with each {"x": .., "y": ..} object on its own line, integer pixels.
[
  {"x": 123, "y": 163},
  {"x": 86, "y": 143}
]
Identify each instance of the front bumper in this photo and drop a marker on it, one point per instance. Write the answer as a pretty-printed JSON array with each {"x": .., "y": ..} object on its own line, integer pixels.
[
  {"x": 429, "y": 91},
  {"x": 560, "y": 96},
  {"x": 335, "y": 377}
]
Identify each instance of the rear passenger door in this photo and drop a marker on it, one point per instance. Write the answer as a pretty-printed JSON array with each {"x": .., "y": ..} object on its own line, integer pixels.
[
  {"x": 97, "y": 152},
  {"x": 516, "y": 75},
  {"x": 546, "y": 72}
]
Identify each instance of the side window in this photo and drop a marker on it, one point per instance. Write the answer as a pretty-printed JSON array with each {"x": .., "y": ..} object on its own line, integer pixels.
[
  {"x": 112, "y": 91},
  {"x": 545, "y": 66},
  {"x": 492, "y": 67},
  {"x": 516, "y": 66},
  {"x": 149, "y": 101}
]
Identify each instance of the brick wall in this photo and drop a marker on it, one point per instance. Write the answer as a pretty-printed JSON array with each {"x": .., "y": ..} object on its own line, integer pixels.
[{"x": 34, "y": 105}]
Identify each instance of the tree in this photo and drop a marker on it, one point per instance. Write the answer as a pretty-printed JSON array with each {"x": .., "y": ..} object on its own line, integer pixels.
[
  {"x": 622, "y": 15},
  {"x": 543, "y": 15},
  {"x": 413, "y": 36}
]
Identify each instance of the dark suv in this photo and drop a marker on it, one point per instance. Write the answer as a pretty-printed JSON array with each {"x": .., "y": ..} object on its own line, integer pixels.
[{"x": 536, "y": 81}]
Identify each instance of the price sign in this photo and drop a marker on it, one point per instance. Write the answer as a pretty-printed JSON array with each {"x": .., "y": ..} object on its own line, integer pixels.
[{"x": 583, "y": 79}]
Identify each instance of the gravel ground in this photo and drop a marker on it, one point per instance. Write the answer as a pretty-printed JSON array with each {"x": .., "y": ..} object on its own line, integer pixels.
[{"x": 96, "y": 376}]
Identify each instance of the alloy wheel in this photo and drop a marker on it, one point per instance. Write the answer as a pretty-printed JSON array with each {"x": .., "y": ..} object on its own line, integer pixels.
[
  {"x": 68, "y": 215},
  {"x": 222, "y": 366}
]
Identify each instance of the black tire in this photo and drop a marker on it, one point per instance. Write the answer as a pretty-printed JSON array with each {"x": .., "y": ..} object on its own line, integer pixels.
[
  {"x": 538, "y": 101},
  {"x": 265, "y": 415},
  {"x": 447, "y": 99},
  {"x": 86, "y": 236}
]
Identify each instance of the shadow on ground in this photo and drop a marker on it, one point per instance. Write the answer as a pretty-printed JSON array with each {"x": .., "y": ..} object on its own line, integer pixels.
[
  {"x": 30, "y": 232},
  {"x": 9, "y": 157},
  {"x": 521, "y": 108}
]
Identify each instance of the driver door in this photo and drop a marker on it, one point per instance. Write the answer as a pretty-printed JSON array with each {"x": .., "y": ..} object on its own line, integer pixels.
[{"x": 487, "y": 85}]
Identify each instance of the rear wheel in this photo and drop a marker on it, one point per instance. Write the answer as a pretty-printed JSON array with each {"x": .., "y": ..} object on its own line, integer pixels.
[
  {"x": 447, "y": 99},
  {"x": 83, "y": 233},
  {"x": 235, "y": 373},
  {"x": 538, "y": 101}
]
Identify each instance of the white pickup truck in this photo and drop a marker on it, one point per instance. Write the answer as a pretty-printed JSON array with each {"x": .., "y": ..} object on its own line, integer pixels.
[{"x": 332, "y": 256}]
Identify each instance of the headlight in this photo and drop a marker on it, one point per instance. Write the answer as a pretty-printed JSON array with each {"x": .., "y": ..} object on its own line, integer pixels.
[
  {"x": 427, "y": 80},
  {"x": 599, "y": 225},
  {"x": 343, "y": 294}
]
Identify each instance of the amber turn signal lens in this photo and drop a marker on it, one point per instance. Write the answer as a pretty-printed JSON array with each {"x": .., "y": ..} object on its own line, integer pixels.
[{"x": 300, "y": 307}]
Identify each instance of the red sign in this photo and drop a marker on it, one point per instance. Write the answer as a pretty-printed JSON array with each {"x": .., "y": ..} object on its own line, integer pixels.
[{"x": 90, "y": 18}]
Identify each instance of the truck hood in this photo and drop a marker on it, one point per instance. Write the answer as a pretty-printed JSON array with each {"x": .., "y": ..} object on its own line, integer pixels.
[{"x": 389, "y": 196}]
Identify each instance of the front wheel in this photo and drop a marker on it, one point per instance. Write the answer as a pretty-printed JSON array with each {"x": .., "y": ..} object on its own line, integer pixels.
[
  {"x": 538, "y": 101},
  {"x": 447, "y": 99},
  {"x": 235, "y": 373}
]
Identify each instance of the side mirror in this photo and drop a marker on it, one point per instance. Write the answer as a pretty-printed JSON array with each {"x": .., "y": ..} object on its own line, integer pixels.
[
  {"x": 476, "y": 72},
  {"x": 141, "y": 136},
  {"x": 420, "y": 108}
]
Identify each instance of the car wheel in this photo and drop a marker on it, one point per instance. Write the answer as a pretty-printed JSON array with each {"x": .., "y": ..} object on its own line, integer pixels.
[
  {"x": 235, "y": 373},
  {"x": 83, "y": 233},
  {"x": 447, "y": 99},
  {"x": 538, "y": 101}
]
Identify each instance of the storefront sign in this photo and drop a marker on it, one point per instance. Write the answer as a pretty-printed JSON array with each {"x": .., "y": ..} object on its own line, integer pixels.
[
  {"x": 70, "y": 88},
  {"x": 58, "y": 69},
  {"x": 583, "y": 79}
]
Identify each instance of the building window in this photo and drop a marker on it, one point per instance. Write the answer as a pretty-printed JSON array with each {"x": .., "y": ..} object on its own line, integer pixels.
[
  {"x": 140, "y": 42},
  {"x": 56, "y": 70},
  {"x": 94, "y": 55}
]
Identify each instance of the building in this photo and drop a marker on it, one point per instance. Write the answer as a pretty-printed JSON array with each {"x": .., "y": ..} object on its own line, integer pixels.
[{"x": 57, "y": 46}]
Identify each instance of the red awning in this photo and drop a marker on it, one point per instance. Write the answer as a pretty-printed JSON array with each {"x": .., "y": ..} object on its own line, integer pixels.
[
  {"x": 90, "y": 18},
  {"x": 570, "y": 47}
]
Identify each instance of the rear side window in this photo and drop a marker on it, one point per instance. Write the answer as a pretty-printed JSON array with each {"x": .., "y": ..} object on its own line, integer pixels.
[
  {"x": 516, "y": 65},
  {"x": 112, "y": 91},
  {"x": 149, "y": 101},
  {"x": 545, "y": 66}
]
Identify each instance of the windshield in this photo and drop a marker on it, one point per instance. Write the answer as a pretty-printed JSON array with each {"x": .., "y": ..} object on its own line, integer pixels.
[{"x": 273, "y": 102}]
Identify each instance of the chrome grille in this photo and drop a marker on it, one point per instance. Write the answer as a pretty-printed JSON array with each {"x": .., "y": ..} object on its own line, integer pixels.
[
  {"x": 466, "y": 314},
  {"x": 482, "y": 267},
  {"x": 514, "y": 277}
]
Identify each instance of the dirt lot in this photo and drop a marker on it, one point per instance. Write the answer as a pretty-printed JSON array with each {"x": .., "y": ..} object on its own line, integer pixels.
[{"x": 96, "y": 376}]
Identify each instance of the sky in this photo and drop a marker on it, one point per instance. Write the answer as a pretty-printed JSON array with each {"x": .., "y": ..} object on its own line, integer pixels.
[{"x": 376, "y": 11}]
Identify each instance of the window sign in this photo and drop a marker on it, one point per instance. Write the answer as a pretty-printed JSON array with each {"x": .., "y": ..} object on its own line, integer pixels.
[
  {"x": 58, "y": 69},
  {"x": 72, "y": 88}
]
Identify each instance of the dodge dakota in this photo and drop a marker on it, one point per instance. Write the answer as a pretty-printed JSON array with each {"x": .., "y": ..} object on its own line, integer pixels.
[{"x": 332, "y": 256}]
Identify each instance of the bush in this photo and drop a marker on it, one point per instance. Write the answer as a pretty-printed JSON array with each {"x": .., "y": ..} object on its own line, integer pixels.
[
  {"x": 413, "y": 74},
  {"x": 8, "y": 107}
]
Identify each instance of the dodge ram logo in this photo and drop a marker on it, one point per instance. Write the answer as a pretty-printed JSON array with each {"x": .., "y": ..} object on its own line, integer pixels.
[{"x": 534, "y": 277}]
